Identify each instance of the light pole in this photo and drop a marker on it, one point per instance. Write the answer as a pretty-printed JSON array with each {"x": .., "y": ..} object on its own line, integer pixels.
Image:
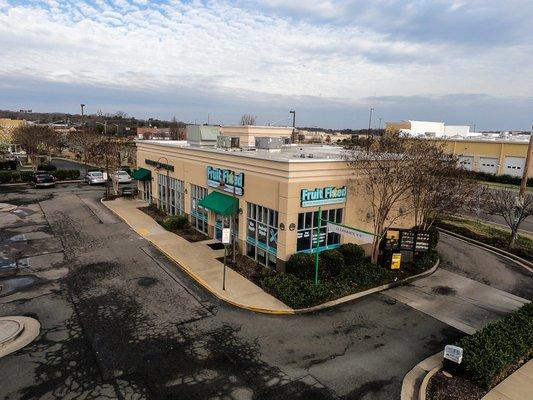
[
  {"x": 82, "y": 115},
  {"x": 293, "y": 112},
  {"x": 529, "y": 160},
  {"x": 370, "y": 120},
  {"x": 168, "y": 182}
]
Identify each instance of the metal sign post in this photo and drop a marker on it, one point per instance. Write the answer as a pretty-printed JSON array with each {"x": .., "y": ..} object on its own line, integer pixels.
[
  {"x": 318, "y": 243},
  {"x": 226, "y": 235}
]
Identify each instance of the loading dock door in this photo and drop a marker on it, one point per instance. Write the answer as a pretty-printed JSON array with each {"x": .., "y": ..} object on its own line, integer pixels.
[
  {"x": 514, "y": 166},
  {"x": 466, "y": 162},
  {"x": 488, "y": 165}
]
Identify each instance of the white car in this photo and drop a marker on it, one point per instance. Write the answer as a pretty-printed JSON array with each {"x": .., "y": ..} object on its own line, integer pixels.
[
  {"x": 122, "y": 176},
  {"x": 94, "y": 178}
]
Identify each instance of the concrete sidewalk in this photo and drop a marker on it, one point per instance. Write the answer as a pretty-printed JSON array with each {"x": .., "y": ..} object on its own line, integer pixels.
[
  {"x": 517, "y": 386},
  {"x": 198, "y": 260}
]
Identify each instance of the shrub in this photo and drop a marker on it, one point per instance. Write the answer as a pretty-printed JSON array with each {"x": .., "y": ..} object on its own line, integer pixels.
[
  {"x": 433, "y": 238},
  {"x": 352, "y": 253},
  {"x": 301, "y": 293},
  {"x": 301, "y": 265},
  {"x": 26, "y": 176},
  {"x": 175, "y": 222},
  {"x": 365, "y": 275},
  {"x": 67, "y": 174},
  {"x": 425, "y": 262},
  {"x": 46, "y": 167},
  {"x": 331, "y": 263},
  {"x": 507, "y": 179},
  {"x": 493, "y": 352},
  {"x": 6, "y": 176}
]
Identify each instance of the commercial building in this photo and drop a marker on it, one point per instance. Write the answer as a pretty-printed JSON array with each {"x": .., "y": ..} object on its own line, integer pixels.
[
  {"x": 429, "y": 129},
  {"x": 274, "y": 189},
  {"x": 491, "y": 154}
]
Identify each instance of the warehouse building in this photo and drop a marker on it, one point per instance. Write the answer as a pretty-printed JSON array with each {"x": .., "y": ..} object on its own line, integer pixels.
[
  {"x": 273, "y": 188},
  {"x": 496, "y": 154}
]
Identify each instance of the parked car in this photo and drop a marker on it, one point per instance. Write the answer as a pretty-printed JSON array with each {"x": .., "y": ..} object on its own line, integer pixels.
[
  {"x": 43, "y": 179},
  {"x": 121, "y": 176},
  {"x": 94, "y": 178}
]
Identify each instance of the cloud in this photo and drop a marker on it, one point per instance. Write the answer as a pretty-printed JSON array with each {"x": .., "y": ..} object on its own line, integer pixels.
[{"x": 348, "y": 52}]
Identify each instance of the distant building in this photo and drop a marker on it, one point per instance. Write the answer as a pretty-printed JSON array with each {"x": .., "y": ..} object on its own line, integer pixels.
[
  {"x": 153, "y": 133},
  {"x": 428, "y": 129},
  {"x": 494, "y": 154}
]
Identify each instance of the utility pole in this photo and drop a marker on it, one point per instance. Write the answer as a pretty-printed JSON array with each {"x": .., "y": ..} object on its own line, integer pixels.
[
  {"x": 529, "y": 160},
  {"x": 370, "y": 120},
  {"x": 82, "y": 115}
]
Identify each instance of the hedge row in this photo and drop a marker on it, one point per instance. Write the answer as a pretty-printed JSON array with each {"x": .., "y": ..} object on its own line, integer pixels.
[
  {"x": 507, "y": 179},
  {"x": 27, "y": 176},
  {"x": 175, "y": 222},
  {"x": 343, "y": 271},
  {"x": 492, "y": 353}
]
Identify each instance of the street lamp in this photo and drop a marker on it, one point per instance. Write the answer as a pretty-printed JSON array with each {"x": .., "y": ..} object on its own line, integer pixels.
[
  {"x": 168, "y": 182},
  {"x": 370, "y": 119}
]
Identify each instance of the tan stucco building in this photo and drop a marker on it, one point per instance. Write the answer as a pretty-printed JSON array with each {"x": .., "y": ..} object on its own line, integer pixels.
[
  {"x": 278, "y": 192},
  {"x": 491, "y": 155}
]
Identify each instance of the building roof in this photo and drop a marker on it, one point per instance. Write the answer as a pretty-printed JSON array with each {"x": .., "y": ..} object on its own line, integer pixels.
[{"x": 292, "y": 153}]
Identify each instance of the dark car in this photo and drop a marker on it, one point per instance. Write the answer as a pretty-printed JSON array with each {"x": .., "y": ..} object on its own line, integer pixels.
[{"x": 43, "y": 179}]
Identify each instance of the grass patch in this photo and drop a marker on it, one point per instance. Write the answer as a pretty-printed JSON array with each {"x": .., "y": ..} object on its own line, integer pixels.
[{"x": 488, "y": 234}]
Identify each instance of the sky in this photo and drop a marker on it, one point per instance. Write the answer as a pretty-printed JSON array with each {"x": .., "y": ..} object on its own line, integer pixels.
[{"x": 458, "y": 61}]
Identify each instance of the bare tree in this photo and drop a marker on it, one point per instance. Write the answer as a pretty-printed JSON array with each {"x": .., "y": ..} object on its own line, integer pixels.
[
  {"x": 35, "y": 140},
  {"x": 87, "y": 142},
  {"x": 248, "y": 119},
  {"x": 407, "y": 177},
  {"x": 439, "y": 186},
  {"x": 384, "y": 174},
  {"x": 514, "y": 209}
]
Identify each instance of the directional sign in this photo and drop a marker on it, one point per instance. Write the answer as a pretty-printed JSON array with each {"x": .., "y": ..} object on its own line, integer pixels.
[
  {"x": 361, "y": 236},
  {"x": 453, "y": 353}
]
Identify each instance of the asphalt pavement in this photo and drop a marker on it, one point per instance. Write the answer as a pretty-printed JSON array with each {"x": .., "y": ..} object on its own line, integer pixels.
[{"x": 119, "y": 320}]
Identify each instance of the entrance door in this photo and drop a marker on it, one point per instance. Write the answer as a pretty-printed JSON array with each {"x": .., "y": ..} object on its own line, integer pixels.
[{"x": 224, "y": 222}]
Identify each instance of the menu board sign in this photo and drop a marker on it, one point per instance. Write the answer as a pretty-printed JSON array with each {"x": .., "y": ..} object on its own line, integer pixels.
[
  {"x": 422, "y": 241},
  {"x": 407, "y": 240}
]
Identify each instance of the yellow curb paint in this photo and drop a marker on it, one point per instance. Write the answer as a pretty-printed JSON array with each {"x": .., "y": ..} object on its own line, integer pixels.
[{"x": 143, "y": 232}]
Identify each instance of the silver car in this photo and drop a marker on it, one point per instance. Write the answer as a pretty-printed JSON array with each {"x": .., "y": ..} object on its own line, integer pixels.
[
  {"x": 94, "y": 178},
  {"x": 122, "y": 176}
]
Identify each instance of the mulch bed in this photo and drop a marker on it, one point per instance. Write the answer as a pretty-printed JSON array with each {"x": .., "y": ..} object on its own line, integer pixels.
[
  {"x": 190, "y": 234},
  {"x": 441, "y": 387},
  {"x": 244, "y": 266}
]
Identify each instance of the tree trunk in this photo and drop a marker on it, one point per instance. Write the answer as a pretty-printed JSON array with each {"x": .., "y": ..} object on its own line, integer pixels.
[
  {"x": 375, "y": 250},
  {"x": 514, "y": 236}
]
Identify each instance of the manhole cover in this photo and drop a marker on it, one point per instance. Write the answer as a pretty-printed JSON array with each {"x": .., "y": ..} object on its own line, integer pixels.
[{"x": 9, "y": 330}]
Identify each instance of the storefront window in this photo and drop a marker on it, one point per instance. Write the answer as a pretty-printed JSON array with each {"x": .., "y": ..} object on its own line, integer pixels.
[
  {"x": 198, "y": 213},
  {"x": 174, "y": 191},
  {"x": 262, "y": 234},
  {"x": 307, "y": 229}
]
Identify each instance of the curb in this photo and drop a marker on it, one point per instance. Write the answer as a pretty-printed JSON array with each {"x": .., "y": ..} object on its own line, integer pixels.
[
  {"x": 415, "y": 382},
  {"x": 520, "y": 261},
  {"x": 308, "y": 310},
  {"x": 424, "y": 386},
  {"x": 29, "y": 183},
  {"x": 358, "y": 295}
]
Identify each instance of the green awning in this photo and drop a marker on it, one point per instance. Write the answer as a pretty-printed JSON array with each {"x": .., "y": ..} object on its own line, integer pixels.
[
  {"x": 220, "y": 203},
  {"x": 142, "y": 174}
]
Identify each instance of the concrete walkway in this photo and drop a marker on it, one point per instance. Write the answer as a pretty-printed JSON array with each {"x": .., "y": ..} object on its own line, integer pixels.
[
  {"x": 198, "y": 260},
  {"x": 460, "y": 302},
  {"x": 517, "y": 386}
]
